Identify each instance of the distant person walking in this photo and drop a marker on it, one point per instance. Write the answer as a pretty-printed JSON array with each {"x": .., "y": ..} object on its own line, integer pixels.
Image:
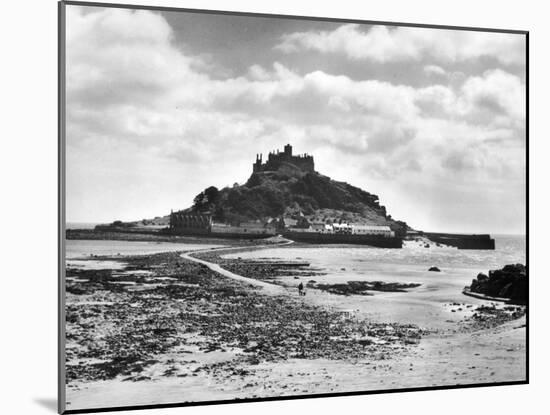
[{"x": 301, "y": 289}]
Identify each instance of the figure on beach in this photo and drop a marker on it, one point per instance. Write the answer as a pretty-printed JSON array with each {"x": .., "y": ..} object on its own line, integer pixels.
[{"x": 301, "y": 289}]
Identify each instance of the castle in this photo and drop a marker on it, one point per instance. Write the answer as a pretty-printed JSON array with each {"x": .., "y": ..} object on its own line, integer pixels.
[{"x": 277, "y": 159}]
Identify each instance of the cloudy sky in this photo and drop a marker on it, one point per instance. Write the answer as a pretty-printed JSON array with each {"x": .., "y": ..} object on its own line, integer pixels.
[{"x": 161, "y": 105}]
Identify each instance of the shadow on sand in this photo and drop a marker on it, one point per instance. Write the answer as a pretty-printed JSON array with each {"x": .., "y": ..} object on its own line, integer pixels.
[{"x": 48, "y": 403}]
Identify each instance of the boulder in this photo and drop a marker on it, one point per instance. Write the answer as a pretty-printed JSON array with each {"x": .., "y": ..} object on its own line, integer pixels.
[
  {"x": 508, "y": 282},
  {"x": 482, "y": 277},
  {"x": 434, "y": 269}
]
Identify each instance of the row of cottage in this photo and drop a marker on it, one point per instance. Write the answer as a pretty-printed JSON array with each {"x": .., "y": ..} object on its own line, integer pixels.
[{"x": 202, "y": 224}]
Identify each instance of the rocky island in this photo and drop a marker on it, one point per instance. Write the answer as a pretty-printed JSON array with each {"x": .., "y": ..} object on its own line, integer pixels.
[{"x": 286, "y": 195}]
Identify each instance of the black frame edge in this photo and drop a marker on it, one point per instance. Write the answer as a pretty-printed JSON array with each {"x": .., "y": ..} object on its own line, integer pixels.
[
  {"x": 527, "y": 206},
  {"x": 61, "y": 396}
]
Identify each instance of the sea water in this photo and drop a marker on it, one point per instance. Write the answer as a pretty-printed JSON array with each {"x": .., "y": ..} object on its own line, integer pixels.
[
  {"x": 85, "y": 248},
  {"x": 508, "y": 250},
  {"x": 430, "y": 304},
  {"x": 78, "y": 252}
]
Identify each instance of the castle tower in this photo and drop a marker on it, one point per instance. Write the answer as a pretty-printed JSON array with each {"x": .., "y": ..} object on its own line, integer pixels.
[
  {"x": 257, "y": 166},
  {"x": 288, "y": 150}
]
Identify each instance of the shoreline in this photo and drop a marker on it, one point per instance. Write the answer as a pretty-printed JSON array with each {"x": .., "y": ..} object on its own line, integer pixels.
[
  {"x": 192, "y": 353},
  {"x": 149, "y": 236}
]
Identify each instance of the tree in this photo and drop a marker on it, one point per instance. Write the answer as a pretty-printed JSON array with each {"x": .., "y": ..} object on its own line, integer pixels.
[
  {"x": 212, "y": 193},
  {"x": 206, "y": 199},
  {"x": 198, "y": 201}
]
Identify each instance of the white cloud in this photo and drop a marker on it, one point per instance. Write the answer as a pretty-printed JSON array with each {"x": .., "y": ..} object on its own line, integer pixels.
[
  {"x": 143, "y": 88},
  {"x": 434, "y": 70},
  {"x": 117, "y": 54},
  {"x": 385, "y": 44},
  {"x": 497, "y": 92}
]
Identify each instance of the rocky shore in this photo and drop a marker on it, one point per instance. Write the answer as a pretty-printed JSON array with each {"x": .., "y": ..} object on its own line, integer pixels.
[
  {"x": 362, "y": 287},
  {"x": 161, "y": 325},
  {"x": 143, "y": 322}
]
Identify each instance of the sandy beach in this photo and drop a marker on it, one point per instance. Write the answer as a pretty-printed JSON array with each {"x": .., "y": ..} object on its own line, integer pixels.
[{"x": 166, "y": 327}]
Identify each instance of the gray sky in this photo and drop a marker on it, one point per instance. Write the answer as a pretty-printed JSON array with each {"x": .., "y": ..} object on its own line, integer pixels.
[{"x": 162, "y": 105}]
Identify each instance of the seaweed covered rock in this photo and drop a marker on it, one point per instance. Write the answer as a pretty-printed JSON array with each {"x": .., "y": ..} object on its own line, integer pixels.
[{"x": 508, "y": 282}]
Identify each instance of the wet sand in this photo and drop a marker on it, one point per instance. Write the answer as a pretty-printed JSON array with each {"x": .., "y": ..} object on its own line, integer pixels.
[
  {"x": 180, "y": 333},
  {"x": 495, "y": 355}
]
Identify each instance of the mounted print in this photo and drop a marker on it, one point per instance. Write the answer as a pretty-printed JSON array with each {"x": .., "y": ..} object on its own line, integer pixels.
[{"x": 269, "y": 207}]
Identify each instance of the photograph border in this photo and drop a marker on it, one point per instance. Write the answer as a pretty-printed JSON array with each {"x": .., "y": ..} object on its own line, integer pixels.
[
  {"x": 61, "y": 369},
  {"x": 61, "y": 79}
]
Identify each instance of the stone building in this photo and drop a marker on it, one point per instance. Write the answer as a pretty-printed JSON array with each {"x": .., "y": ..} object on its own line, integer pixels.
[
  {"x": 244, "y": 228},
  {"x": 298, "y": 222},
  {"x": 381, "y": 230},
  {"x": 276, "y": 160},
  {"x": 183, "y": 223}
]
